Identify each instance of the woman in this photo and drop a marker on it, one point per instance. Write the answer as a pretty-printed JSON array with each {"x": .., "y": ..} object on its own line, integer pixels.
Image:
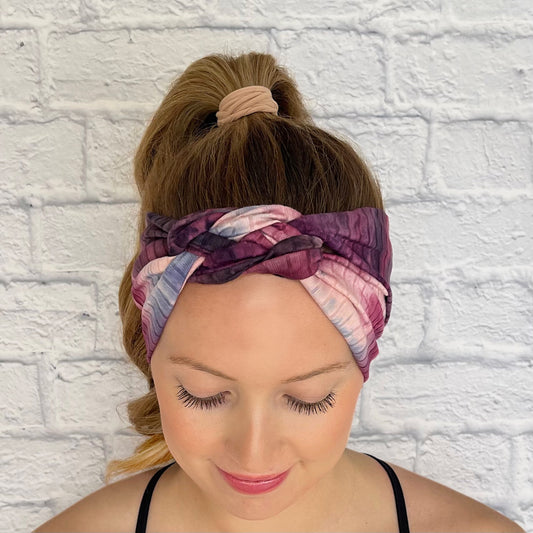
[{"x": 253, "y": 304}]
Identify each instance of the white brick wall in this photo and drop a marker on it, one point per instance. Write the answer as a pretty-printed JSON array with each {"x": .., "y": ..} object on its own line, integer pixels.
[{"x": 437, "y": 94}]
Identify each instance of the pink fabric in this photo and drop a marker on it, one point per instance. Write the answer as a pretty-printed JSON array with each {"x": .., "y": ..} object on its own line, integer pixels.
[{"x": 245, "y": 101}]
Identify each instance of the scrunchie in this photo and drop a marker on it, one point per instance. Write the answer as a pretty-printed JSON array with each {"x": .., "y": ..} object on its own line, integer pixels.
[{"x": 350, "y": 285}]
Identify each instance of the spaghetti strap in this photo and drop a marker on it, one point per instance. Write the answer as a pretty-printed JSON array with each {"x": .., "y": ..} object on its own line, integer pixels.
[
  {"x": 401, "y": 511},
  {"x": 142, "y": 517}
]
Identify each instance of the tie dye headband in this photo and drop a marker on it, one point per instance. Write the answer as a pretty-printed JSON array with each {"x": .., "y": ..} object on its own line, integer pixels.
[{"x": 350, "y": 285}]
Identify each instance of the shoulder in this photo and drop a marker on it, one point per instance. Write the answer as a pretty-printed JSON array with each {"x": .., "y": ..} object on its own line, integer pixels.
[
  {"x": 432, "y": 506},
  {"x": 114, "y": 507}
]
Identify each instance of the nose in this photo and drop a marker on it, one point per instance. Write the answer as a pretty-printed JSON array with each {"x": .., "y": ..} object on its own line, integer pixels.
[{"x": 254, "y": 440}]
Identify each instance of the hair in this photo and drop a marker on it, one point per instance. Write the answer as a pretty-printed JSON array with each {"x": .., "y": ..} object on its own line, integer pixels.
[{"x": 186, "y": 163}]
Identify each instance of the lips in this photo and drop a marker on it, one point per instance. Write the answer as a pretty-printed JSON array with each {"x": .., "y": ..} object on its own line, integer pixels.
[
  {"x": 257, "y": 485},
  {"x": 244, "y": 477}
]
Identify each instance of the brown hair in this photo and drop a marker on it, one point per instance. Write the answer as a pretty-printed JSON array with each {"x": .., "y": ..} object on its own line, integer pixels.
[{"x": 186, "y": 163}]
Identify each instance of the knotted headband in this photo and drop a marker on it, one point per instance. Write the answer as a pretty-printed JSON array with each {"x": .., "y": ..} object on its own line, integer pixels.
[{"x": 350, "y": 285}]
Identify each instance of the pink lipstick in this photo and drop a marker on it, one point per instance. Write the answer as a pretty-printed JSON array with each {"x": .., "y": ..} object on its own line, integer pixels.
[{"x": 254, "y": 485}]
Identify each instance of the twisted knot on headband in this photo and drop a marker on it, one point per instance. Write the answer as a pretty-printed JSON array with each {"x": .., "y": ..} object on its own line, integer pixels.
[
  {"x": 245, "y": 101},
  {"x": 351, "y": 285}
]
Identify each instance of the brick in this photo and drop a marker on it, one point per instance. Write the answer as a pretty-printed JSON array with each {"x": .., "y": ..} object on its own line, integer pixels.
[
  {"x": 37, "y": 331},
  {"x": 405, "y": 329},
  {"x": 427, "y": 235},
  {"x": 74, "y": 333},
  {"x": 68, "y": 468},
  {"x": 477, "y": 465},
  {"x": 53, "y": 10},
  {"x": 19, "y": 65},
  {"x": 482, "y": 154},
  {"x": 524, "y": 468},
  {"x": 499, "y": 10},
  {"x": 124, "y": 446},
  {"x": 138, "y": 8},
  {"x": 399, "y": 450},
  {"x": 43, "y": 160},
  {"x": 88, "y": 237},
  {"x": 19, "y": 395},
  {"x": 474, "y": 71},
  {"x": 111, "y": 147},
  {"x": 24, "y": 516},
  {"x": 130, "y": 65},
  {"x": 526, "y": 514},
  {"x": 109, "y": 326},
  {"x": 334, "y": 83},
  {"x": 492, "y": 313},
  {"x": 394, "y": 148},
  {"x": 277, "y": 14},
  {"x": 417, "y": 394},
  {"x": 48, "y": 296},
  {"x": 90, "y": 392},
  {"x": 15, "y": 244},
  {"x": 25, "y": 332}
]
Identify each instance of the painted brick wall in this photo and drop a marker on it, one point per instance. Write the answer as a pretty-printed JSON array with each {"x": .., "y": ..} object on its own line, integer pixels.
[{"x": 437, "y": 95}]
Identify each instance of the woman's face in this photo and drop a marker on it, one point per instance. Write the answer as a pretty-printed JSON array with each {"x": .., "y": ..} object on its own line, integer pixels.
[{"x": 259, "y": 330}]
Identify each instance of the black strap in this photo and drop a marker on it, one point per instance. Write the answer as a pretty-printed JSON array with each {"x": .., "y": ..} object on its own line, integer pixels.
[
  {"x": 401, "y": 511},
  {"x": 142, "y": 517}
]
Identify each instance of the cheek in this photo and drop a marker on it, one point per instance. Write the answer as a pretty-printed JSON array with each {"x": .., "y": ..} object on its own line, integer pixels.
[
  {"x": 332, "y": 437},
  {"x": 185, "y": 430},
  {"x": 333, "y": 431},
  {"x": 346, "y": 412}
]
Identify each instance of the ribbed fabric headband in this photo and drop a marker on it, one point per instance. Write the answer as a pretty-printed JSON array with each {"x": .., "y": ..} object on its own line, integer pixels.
[{"x": 217, "y": 245}]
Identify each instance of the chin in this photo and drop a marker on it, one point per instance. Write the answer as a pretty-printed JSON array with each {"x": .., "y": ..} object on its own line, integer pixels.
[{"x": 260, "y": 507}]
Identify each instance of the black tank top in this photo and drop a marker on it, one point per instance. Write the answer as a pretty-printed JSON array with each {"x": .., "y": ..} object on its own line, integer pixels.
[{"x": 403, "y": 523}]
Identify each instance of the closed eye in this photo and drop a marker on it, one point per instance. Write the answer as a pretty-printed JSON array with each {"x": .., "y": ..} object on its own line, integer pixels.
[{"x": 219, "y": 399}]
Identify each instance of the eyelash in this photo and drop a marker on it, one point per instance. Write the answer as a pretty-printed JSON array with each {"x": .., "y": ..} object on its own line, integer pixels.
[{"x": 213, "y": 401}]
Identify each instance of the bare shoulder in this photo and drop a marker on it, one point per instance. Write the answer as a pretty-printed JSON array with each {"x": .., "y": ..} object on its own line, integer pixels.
[
  {"x": 433, "y": 507},
  {"x": 112, "y": 508}
]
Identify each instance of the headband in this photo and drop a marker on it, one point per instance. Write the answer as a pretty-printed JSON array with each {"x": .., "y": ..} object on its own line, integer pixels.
[{"x": 350, "y": 285}]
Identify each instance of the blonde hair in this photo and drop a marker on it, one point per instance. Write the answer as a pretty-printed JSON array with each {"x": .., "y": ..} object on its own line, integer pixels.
[{"x": 185, "y": 163}]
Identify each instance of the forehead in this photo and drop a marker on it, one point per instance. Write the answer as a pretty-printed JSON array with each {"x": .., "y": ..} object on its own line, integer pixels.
[
  {"x": 250, "y": 291},
  {"x": 255, "y": 307}
]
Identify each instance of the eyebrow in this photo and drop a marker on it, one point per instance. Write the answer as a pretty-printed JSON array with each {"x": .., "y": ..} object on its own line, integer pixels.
[{"x": 182, "y": 360}]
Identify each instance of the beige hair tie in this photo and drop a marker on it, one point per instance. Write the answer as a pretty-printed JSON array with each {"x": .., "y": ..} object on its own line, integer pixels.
[{"x": 245, "y": 101}]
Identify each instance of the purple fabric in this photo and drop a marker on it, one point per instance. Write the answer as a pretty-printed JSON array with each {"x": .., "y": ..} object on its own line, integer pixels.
[{"x": 218, "y": 245}]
